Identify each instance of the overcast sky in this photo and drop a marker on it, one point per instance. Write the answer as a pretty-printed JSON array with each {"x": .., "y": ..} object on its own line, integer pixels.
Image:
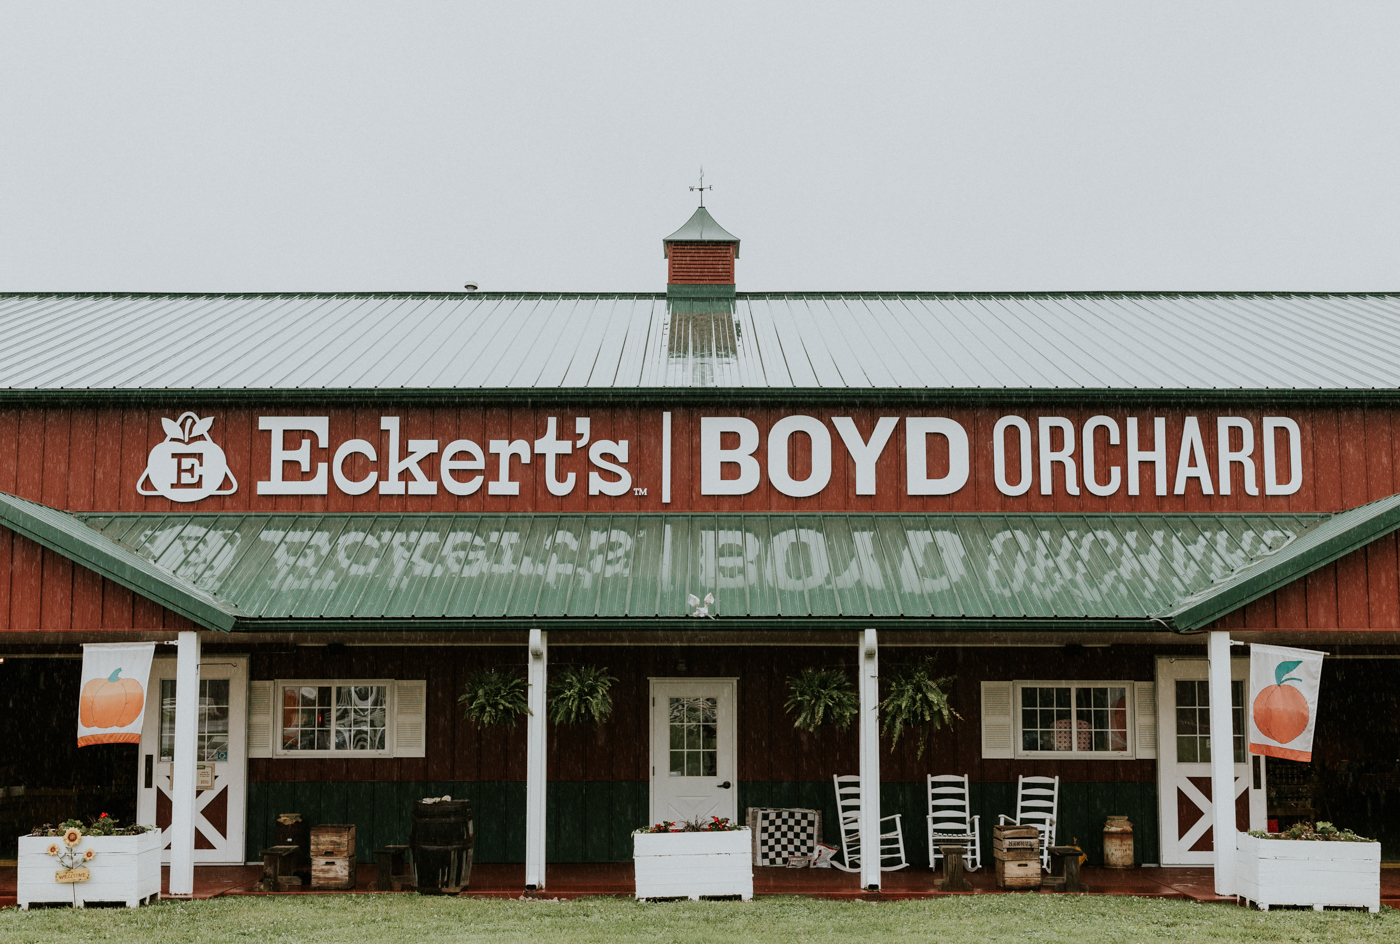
[{"x": 933, "y": 146}]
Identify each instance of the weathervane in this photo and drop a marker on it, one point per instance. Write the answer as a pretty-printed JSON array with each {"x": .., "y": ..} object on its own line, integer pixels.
[{"x": 702, "y": 188}]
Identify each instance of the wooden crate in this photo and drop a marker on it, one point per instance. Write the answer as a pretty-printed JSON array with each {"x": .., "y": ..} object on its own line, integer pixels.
[
  {"x": 333, "y": 842},
  {"x": 1014, "y": 849},
  {"x": 1018, "y": 873},
  {"x": 1009, "y": 831},
  {"x": 332, "y": 872}
]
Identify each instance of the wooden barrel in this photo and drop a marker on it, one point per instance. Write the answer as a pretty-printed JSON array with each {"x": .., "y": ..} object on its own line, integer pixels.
[{"x": 441, "y": 846}]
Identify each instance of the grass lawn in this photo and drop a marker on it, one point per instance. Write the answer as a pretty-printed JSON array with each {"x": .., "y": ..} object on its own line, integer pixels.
[{"x": 390, "y": 919}]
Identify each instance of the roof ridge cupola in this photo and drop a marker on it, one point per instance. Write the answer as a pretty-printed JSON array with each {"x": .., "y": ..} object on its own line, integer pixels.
[{"x": 700, "y": 258}]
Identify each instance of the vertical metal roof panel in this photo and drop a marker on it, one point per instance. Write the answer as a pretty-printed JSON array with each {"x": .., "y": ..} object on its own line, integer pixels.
[{"x": 822, "y": 566}]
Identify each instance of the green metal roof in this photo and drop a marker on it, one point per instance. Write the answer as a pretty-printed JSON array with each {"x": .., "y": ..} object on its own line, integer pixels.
[
  {"x": 244, "y": 571},
  {"x": 66, "y": 535},
  {"x": 700, "y": 228},
  {"x": 787, "y": 346},
  {"x": 334, "y": 567},
  {"x": 1330, "y": 540}
]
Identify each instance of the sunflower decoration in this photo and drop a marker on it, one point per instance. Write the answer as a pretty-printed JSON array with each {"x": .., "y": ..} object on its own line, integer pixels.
[
  {"x": 53, "y": 849},
  {"x": 72, "y": 836},
  {"x": 89, "y": 854}
]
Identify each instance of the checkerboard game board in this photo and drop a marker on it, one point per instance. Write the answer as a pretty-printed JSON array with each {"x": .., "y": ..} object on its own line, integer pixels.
[{"x": 779, "y": 834}]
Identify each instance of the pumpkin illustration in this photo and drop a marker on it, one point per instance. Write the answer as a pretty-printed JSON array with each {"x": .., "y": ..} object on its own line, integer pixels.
[
  {"x": 1281, "y": 711},
  {"x": 113, "y": 702}
]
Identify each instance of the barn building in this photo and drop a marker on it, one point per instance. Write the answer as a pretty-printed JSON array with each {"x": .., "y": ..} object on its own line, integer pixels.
[{"x": 1071, "y": 501}]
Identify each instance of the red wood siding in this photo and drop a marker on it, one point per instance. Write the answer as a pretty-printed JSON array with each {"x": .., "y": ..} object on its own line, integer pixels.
[
  {"x": 1358, "y": 592},
  {"x": 41, "y": 591},
  {"x": 90, "y": 459},
  {"x": 769, "y": 748},
  {"x": 700, "y": 264}
]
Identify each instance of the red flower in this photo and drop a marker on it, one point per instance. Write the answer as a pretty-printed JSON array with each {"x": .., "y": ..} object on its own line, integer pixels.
[{"x": 103, "y": 816}]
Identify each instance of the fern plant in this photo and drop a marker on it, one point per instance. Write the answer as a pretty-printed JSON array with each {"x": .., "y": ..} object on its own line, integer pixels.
[
  {"x": 822, "y": 696},
  {"x": 579, "y": 693},
  {"x": 916, "y": 697},
  {"x": 493, "y": 697}
]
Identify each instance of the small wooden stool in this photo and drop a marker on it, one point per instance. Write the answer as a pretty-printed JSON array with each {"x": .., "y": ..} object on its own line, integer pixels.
[
  {"x": 389, "y": 869},
  {"x": 954, "y": 875},
  {"x": 278, "y": 863},
  {"x": 1064, "y": 870}
]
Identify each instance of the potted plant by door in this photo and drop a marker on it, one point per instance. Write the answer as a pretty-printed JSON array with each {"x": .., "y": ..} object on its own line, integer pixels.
[
  {"x": 1319, "y": 866},
  {"x": 694, "y": 859},
  {"x": 102, "y": 861}
]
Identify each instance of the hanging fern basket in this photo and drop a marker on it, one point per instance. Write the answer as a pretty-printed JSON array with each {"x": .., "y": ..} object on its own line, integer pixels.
[
  {"x": 819, "y": 697},
  {"x": 494, "y": 698},
  {"x": 581, "y": 693},
  {"x": 916, "y": 697}
]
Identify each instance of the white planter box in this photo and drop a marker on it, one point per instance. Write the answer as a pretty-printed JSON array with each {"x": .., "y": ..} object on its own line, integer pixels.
[
  {"x": 1298, "y": 872},
  {"x": 688, "y": 865},
  {"x": 126, "y": 869}
]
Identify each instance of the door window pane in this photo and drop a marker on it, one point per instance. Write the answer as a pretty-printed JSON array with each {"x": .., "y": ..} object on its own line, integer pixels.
[
  {"x": 1193, "y": 720},
  {"x": 213, "y": 720},
  {"x": 693, "y": 737}
]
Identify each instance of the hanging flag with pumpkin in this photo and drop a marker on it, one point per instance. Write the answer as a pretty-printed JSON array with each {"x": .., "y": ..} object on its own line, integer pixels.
[
  {"x": 112, "y": 695},
  {"x": 1283, "y": 686}
]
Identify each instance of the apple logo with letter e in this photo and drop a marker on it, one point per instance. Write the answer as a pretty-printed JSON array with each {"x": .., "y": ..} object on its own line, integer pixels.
[{"x": 185, "y": 468}]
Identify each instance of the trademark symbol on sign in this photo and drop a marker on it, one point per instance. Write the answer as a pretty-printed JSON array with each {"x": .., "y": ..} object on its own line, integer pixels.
[{"x": 639, "y": 491}]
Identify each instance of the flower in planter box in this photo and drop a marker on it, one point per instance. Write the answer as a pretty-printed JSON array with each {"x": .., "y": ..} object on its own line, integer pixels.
[
  {"x": 88, "y": 854},
  {"x": 72, "y": 836},
  {"x": 53, "y": 849}
]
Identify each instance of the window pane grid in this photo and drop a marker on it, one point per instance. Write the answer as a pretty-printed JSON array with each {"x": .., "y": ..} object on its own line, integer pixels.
[
  {"x": 1193, "y": 720},
  {"x": 212, "y": 744},
  {"x": 349, "y": 718},
  {"x": 1086, "y": 719},
  {"x": 693, "y": 737}
]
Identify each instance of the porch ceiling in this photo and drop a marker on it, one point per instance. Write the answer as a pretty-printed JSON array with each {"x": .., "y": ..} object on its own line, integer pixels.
[{"x": 325, "y": 568}]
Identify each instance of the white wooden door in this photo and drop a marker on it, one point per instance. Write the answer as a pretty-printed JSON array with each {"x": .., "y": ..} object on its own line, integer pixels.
[
  {"x": 221, "y": 781},
  {"x": 1186, "y": 806},
  {"x": 693, "y": 768}
]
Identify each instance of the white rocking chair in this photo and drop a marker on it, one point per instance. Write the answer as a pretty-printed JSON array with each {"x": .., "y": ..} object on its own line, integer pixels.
[
  {"x": 848, "y": 811},
  {"x": 1037, "y": 803},
  {"x": 950, "y": 822}
]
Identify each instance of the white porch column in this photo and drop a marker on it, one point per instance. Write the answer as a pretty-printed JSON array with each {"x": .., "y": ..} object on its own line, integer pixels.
[
  {"x": 869, "y": 760},
  {"x": 535, "y": 761},
  {"x": 1222, "y": 763},
  {"x": 182, "y": 773}
]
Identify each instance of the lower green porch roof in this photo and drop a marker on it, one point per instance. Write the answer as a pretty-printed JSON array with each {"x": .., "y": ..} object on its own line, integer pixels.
[{"x": 253, "y": 571}]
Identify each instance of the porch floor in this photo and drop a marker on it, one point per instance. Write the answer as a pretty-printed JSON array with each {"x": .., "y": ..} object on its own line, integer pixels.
[{"x": 573, "y": 881}]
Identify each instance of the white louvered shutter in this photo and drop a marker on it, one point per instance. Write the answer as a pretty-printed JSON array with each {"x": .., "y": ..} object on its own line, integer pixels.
[
  {"x": 996, "y": 720},
  {"x": 260, "y": 719},
  {"x": 410, "y": 718},
  {"x": 1145, "y": 695}
]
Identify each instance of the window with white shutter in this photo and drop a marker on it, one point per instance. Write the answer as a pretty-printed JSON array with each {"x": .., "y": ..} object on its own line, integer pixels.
[
  {"x": 337, "y": 718},
  {"x": 996, "y": 720}
]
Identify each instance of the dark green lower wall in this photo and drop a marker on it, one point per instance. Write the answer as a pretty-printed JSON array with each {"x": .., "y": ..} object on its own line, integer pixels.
[
  {"x": 593, "y": 821},
  {"x": 588, "y": 822}
]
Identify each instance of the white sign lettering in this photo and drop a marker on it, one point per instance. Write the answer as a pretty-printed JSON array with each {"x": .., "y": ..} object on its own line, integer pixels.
[{"x": 1055, "y": 455}]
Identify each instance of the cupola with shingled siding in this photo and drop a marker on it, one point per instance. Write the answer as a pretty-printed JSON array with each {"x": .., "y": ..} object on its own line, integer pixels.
[{"x": 700, "y": 257}]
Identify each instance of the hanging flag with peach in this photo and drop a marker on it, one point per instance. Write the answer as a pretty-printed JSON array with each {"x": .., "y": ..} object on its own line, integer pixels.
[{"x": 1283, "y": 687}]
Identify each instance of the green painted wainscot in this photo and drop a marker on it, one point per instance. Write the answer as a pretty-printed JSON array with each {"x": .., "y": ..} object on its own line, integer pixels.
[{"x": 593, "y": 821}]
